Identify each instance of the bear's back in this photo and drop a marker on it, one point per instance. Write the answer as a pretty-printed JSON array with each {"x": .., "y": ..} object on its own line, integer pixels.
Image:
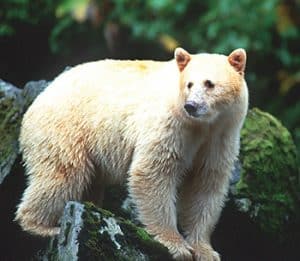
[
  {"x": 111, "y": 83},
  {"x": 98, "y": 104}
]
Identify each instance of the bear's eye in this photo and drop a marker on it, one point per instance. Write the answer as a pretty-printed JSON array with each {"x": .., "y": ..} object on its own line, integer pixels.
[
  {"x": 209, "y": 84},
  {"x": 190, "y": 85}
]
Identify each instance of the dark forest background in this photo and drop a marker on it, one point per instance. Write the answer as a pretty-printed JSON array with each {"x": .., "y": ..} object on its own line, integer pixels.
[{"x": 38, "y": 39}]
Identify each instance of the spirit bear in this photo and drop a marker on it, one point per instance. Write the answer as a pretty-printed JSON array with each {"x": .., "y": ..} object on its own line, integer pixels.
[{"x": 169, "y": 129}]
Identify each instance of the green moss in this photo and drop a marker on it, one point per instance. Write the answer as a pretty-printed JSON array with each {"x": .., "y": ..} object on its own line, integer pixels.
[
  {"x": 10, "y": 119},
  {"x": 139, "y": 237},
  {"x": 135, "y": 241},
  {"x": 92, "y": 248},
  {"x": 270, "y": 175},
  {"x": 142, "y": 234},
  {"x": 6, "y": 111}
]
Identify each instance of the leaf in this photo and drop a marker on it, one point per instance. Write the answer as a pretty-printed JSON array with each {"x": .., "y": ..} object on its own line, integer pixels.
[{"x": 168, "y": 42}]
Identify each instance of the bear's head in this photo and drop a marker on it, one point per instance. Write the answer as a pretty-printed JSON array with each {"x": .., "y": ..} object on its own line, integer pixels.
[{"x": 210, "y": 83}]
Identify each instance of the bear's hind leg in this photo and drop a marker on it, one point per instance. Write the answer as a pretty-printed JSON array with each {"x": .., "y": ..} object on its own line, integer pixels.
[{"x": 44, "y": 200}]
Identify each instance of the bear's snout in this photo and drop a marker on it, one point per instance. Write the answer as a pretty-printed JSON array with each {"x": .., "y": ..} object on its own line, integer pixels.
[
  {"x": 202, "y": 108},
  {"x": 196, "y": 109},
  {"x": 190, "y": 107}
]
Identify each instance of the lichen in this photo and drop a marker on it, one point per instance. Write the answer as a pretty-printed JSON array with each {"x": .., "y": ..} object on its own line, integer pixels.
[
  {"x": 270, "y": 175},
  {"x": 113, "y": 229}
]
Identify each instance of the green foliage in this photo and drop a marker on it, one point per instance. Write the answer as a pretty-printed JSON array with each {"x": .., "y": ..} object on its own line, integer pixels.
[
  {"x": 270, "y": 175},
  {"x": 202, "y": 25},
  {"x": 14, "y": 13},
  {"x": 149, "y": 19}
]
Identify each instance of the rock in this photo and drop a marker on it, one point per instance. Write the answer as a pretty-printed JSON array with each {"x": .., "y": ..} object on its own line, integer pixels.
[
  {"x": 31, "y": 90},
  {"x": 17, "y": 245},
  {"x": 65, "y": 245},
  {"x": 90, "y": 233},
  {"x": 268, "y": 189},
  {"x": 13, "y": 103},
  {"x": 236, "y": 173},
  {"x": 11, "y": 109}
]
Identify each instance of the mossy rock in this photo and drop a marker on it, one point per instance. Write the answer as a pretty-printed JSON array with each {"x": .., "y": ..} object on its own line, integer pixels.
[
  {"x": 269, "y": 186},
  {"x": 11, "y": 109},
  {"x": 13, "y": 103},
  {"x": 91, "y": 233}
]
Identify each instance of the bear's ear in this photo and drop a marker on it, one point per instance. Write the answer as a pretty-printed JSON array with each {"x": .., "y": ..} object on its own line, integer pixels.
[
  {"x": 182, "y": 58},
  {"x": 237, "y": 59}
]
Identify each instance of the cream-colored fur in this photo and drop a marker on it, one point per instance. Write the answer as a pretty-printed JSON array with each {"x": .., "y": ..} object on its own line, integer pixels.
[{"x": 114, "y": 121}]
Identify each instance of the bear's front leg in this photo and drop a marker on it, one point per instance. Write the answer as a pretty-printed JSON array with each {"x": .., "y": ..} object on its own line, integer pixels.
[
  {"x": 201, "y": 202},
  {"x": 152, "y": 186}
]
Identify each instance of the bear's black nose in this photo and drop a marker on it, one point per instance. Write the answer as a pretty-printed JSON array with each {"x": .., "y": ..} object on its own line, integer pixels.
[{"x": 190, "y": 107}]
